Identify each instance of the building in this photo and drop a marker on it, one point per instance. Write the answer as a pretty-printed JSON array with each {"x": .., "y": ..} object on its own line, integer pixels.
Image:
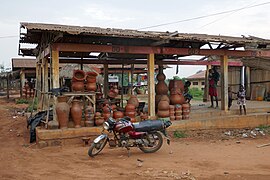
[{"x": 197, "y": 80}]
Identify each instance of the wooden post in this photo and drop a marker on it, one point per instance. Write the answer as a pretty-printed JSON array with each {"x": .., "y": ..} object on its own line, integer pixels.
[
  {"x": 224, "y": 82},
  {"x": 106, "y": 81},
  {"x": 38, "y": 83},
  {"x": 45, "y": 82},
  {"x": 122, "y": 89},
  {"x": 55, "y": 84},
  {"x": 206, "y": 84},
  {"x": 151, "y": 85},
  {"x": 247, "y": 82},
  {"x": 22, "y": 81},
  {"x": 8, "y": 83},
  {"x": 131, "y": 78}
]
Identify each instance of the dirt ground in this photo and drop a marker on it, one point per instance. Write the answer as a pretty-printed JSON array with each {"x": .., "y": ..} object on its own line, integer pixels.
[{"x": 208, "y": 156}]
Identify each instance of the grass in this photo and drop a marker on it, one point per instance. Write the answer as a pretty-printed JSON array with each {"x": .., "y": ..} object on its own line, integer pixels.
[
  {"x": 32, "y": 107},
  {"x": 179, "y": 134},
  {"x": 22, "y": 101},
  {"x": 264, "y": 127}
]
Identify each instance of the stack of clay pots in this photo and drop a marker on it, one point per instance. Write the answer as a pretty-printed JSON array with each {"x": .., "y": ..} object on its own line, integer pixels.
[
  {"x": 89, "y": 116},
  {"x": 163, "y": 108},
  {"x": 133, "y": 100},
  {"x": 91, "y": 81},
  {"x": 186, "y": 110},
  {"x": 78, "y": 80},
  {"x": 99, "y": 120},
  {"x": 113, "y": 92},
  {"x": 178, "y": 112},
  {"x": 130, "y": 111},
  {"x": 161, "y": 87},
  {"x": 62, "y": 111},
  {"x": 76, "y": 112},
  {"x": 118, "y": 115},
  {"x": 172, "y": 112},
  {"x": 106, "y": 112}
]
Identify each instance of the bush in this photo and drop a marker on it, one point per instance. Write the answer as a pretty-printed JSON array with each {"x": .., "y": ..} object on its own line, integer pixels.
[
  {"x": 179, "y": 134},
  {"x": 196, "y": 93},
  {"x": 32, "y": 107},
  {"x": 22, "y": 101}
]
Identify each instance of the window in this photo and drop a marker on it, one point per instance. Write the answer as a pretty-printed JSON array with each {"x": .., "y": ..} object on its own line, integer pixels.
[
  {"x": 202, "y": 83},
  {"x": 195, "y": 83}
]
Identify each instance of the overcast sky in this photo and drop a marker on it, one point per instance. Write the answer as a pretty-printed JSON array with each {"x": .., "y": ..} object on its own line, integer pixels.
[{"x": 135, "y": 15}]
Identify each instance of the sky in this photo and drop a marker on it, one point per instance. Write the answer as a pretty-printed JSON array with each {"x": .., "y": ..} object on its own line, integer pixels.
[{"x": 135, "y": 15}]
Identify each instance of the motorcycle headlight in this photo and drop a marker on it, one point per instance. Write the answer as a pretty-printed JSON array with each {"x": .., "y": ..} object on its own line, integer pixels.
[{"x": 106, "y": 125}]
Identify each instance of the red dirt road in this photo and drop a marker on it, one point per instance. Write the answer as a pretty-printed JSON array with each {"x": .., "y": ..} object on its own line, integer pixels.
[{"x": 188, "y": 158}]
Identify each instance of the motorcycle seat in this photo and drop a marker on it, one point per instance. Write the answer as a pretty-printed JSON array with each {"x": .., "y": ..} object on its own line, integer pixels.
[{"x": 148, "y": 125}]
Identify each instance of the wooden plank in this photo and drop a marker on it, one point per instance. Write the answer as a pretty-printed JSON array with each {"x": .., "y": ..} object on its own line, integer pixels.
[
  {"x": 224, "y": 83},
  {"x": 247, "y": 82},
  {"x": 46, "y": 82},
  {"x": 22, "y": 81},
  {"x": 151, "y": 85},
  {"x": 55, "y": 69},
  {"x": 72, "y": 47},
  {"x": 39, "y": 84}
]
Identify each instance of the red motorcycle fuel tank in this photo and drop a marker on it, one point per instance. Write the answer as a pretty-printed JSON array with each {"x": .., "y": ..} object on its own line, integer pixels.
[{"x": 123, "y": 126}]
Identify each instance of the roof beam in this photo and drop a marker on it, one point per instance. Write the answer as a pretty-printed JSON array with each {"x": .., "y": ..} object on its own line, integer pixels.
[{"x": 72, "y": 47}]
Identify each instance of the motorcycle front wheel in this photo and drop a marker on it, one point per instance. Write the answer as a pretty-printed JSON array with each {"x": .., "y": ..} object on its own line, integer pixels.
[
  {"x": 96, "y": 148},
  {"x": 155, "y": 141}
]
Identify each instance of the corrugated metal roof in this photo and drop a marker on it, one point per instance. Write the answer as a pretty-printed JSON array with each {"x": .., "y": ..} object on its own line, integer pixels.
[
  {"x": 112, "y": 32},
  {"x": 23, "y": 63},
  {"x": 198, "y": 75}
]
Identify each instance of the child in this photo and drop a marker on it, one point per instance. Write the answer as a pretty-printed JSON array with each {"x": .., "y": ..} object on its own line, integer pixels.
[
  {"x": 186, "y": 94},
  {"x": 241, "y": 95},
  {"x": 230, "y": 94}
]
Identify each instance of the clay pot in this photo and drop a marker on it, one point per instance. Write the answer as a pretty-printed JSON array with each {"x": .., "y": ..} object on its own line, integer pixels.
[
  {"x": 130, "y": 114},
  {"x": 118, "y": 114},
  {"x": 98, "y": 114},
  {"x": 163, "y": 105},
  {"x": 133, "y": 100},
  {"x": 106, "y": 116},
  {"x": 78, "y": 75},
  {"x": 133, "y": 120},
  {"x": 106, "y": 109},
  {"x": 89, "y": 123},
  {"x": 161, "y": 88},
  {"x": 171, "y": 107},
  {"x": 161, "y": 76},
  {"x": 143, "y": 116},
  {"x": 113, "y": 107},
  {"x": 158, "y": 98},
  {"x": 178, "y": 118},
  {"x": 130, "y": 108},
  {"x": 112, "y": 94},
  {"x": 92, "y": 87},
  {"x": 172, "y": 113},
  {"x": 76, "y": 113},
  {"x": 178, "y": 113},
  {"x": 163, "y": 114},
  {"x": 185, "y": 117},
  {"x": 62, "y": 110},
  {"x": 91, "y": 77},
  {"x": 177, "y": 99},
  {"x": 99, "y": 121},
  {"x": 177, "y": 84},
  {"x": 172, "y": 118},
  {"x": 77, "y": 86}
]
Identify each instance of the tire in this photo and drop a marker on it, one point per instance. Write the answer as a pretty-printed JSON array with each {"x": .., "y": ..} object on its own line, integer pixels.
[
  {"x": 97, "y": 146},
  {"x": 158, "y": 137}
]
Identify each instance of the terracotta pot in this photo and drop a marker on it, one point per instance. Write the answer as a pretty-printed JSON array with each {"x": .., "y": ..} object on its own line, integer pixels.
[
  {"x": 130, "y": 114},
  {"x": 178, "y": 107},
  {"x": 62, "y": 110},
  {"x": 76, "y": 113},
  {"x": 106, "y": 116},
  {"x": 99, "y": 121},
  {"x": 177, "y": 99},
  {"x": 133, "y": 120},
  {"x": 77, "y": 86},
  {"x": 163, "y": 114},
  {"x": 161, "y": 88},
  {"x": 172, "y": 107},
  {"x": 185, "y": 106},
  {"x": 161, "y": 76},
  {"x": 159, "y": 97},
  {"x": 130, "y": 108},
  {"x": 92, "y": 87},
  {"x": 133, "y": 100},
  {"x": 118, "y": 114},
  {"x": 98, "y": 114},
  {"x": 89, "y": 123},
  {"x": 172, "y": 114},
  {"x": 112, "y": 94},
  {"x": 114, "y": 107},
  {"x": 177, "y": 118},
  {"x": 91, "y": 77},
  {"x": 172, "y": 118},
  {"x": 106, "y": 109},
  {"x": 177, "y": 84},
  {"x": 79, "y": 75},
  {"x": 185, "y": 117},
  {"x": 163, "y": 105},
  {"x": 178, "y": 113}
]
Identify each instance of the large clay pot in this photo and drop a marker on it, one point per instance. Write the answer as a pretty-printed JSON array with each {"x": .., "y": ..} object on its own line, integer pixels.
[
  {"x": 118, "y": 114},
  {"x": 161, "y": 76},
  {"x": 130, "y": 114},
  {"x": 133, "y": 100},
  {"x": 106, "y": 116},
  {"x": 77, "y": 86},
  {"x": 161, "y": 88},
  {"x": 163, "y": 105},
  {"x": 99, "y": 121},
  {"x": 78, "y": 75},
  {"x": 163, "y": 114},
  {"x": 158, "y": 98},
  {"x": 92, "y": 87},
  {"x": 130, "y": 108},
  {"x": 186, "y": 109},
  {"x": 62, "y": 110},
  {"x": 177, "y": 99},
  {"x": 76, "y": 113},
  {"x": 177, "y": 84},
  {"x": 106, "y": 109}
]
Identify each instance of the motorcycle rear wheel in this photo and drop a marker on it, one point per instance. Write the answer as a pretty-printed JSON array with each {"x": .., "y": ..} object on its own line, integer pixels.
[
  {"x": 96, "y": 148},
  {"x": 158, "y": 141}
]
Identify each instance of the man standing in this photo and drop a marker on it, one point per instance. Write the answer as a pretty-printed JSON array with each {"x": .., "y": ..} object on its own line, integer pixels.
[{"x": 213, "y": 80}]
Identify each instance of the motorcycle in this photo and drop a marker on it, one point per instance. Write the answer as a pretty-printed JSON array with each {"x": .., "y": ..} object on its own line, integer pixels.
[{"x": 146, "y": 135}]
